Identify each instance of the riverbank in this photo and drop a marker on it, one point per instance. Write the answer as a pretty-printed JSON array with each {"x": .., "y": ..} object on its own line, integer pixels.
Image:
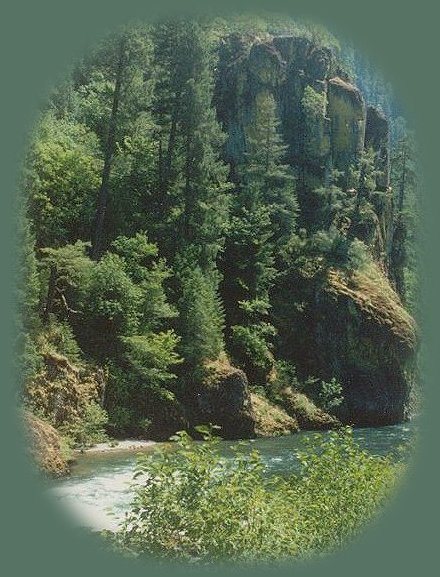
[
  {"x": 114, "y": 446},
  {"x": 98, "y": 492}
]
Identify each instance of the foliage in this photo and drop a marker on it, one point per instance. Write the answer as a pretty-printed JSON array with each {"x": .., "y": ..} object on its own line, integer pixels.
[
  {"x": 58, "y": 337},
  {"x": 151, "y": 356},
  {"x": 313, "y": 103},
  {"x": 91, "y": 428},
  {"x": 201, "y": 318},
  {"x": 147, "y": 251},
  {"x": 143, "y": 374},
  {"x": 314, "y": 107},
  {"x": 263, "y": 219},
  {"x": 326, "y": 395},
  {"x": 111, "y": 303},
  {"x": 149, "y": 273},
  {"x": 250, "y": 349},
  {"x": 195, "y": 505},
  {"x": 61, "y": 177},
  {"x": 284, "y": 375},
  {"x": 406, "y": 182},
  {"x": 65, "y": 271},
  {"x": 28, "y": 287}
]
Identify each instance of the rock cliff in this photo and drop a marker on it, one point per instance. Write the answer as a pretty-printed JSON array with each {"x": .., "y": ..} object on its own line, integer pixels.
[
  {"x": 352, "y": 328},
  {"x": 333, "y": 138}
]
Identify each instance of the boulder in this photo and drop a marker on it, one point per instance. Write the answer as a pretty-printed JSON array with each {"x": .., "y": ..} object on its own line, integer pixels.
[
  {"x": 372, "y": 346},
  {"x": 354, "y": 328},
  {"x": 224, "y": 400},
  {"x": 308, "y": 416},
  {"x": 271, "y": 420}
]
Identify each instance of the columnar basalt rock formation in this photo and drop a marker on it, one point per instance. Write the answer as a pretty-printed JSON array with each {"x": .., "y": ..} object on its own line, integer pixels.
[
  {"x": 285, "y": 66},
  {"x": 373, "y": 359}
]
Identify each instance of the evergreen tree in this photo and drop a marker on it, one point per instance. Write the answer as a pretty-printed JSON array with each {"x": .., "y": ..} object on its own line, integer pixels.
[
  {"x": 265, "y": 169},
  {"x": 264, "y": 214},
  {"x": 192, "y": 183},
  {"x": 27, "y": 300},
  {"x": 201, "y": 320},
  {"x": 192, "y": 178},
  {"x": 404, "y": 180},
  {"x": 113, "y": 86},
  {"x": 142, "y": 263}
]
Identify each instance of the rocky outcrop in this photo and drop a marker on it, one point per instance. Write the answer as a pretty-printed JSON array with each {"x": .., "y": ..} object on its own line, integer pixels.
[
  {"x": 46, "y": 446},
  {"x": 354, "y": 328},
  {"x": 308, "y": 416},
  {"x": 272, "y": 420},
  {"x": 333, "y": 136},
  {"x": 285, "y": 66},
  {"x": 377, "y": 137},
  {"x": 346, "y": 109},
  {"x": 379, "y": 340},
  {"x": 224, "y": 400}
]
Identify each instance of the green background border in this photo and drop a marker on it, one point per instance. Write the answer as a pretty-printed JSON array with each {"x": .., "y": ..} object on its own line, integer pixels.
[{"x": 38, "y": 43}]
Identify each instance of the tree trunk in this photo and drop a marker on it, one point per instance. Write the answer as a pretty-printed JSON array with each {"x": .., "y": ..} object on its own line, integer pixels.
[
  {"x": 398, "y": 215},
  {"x": 101, "y": 209},
  {"x": 51, "y": 289}
]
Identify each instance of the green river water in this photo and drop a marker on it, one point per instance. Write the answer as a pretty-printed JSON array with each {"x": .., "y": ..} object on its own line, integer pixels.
[{"x": 98, "y": 491}]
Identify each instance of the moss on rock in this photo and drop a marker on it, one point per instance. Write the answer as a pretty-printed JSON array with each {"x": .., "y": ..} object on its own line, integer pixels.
[
  {"x": 271, "y": 420},
  {"x": 346, "y": 109},
  {"x": 371, "y": 293},
  {"x": 46, "y": 446},
  {"x": 308, "y": 416},
  {"x": 224, "y": 399}
]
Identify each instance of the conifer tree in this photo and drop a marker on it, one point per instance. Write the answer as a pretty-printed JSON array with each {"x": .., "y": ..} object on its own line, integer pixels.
[
  {"x": 264, "y": 214},
  {"x": 192, "y": 182},
  {"x": 27, "y": 299},
  {"x": 404, "y": 179},
  {"x": 192, "y": 178}
]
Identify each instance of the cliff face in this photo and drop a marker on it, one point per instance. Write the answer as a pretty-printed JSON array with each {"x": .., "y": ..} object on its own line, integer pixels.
[
  {"x": 334, "y": 138},
  {"x": 369, "y": 341},
  {"x": 355, "y": 330},
  {"x": 285, "y": 67}
]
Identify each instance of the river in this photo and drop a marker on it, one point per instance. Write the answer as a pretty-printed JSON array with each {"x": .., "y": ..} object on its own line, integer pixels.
[{"x": 98, "y": 491}]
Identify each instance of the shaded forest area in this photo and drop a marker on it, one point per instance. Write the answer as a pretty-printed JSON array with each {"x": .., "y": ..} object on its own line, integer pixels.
[{"x": 217, "y": 225}]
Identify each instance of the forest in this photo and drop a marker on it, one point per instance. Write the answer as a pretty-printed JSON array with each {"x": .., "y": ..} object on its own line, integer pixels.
[{"x": 218, "y": 224}]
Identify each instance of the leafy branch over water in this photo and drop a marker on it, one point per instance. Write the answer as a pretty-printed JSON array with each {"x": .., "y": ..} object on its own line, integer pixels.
[{"x": 195, "y": 505}]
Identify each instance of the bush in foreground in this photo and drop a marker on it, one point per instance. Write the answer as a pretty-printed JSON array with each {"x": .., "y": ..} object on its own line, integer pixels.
[{"x": 193, "y": 504}]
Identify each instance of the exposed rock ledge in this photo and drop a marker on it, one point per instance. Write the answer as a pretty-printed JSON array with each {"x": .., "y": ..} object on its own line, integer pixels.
[{"x": 45, "y": 446}]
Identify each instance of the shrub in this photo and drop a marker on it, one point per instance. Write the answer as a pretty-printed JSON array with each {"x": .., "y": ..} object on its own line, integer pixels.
[
  {"x": 326, "y": 395},
  {"x": 58, "y": 337},
  {"x": 90, "y": 429},
  {"x": 120, "y": 419},
  {"x": 194, "y": 504},
  {"x": 252, "y": 351},
  {"x": 284, "y": 375},
  {"x": 340, "y": 487}
]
